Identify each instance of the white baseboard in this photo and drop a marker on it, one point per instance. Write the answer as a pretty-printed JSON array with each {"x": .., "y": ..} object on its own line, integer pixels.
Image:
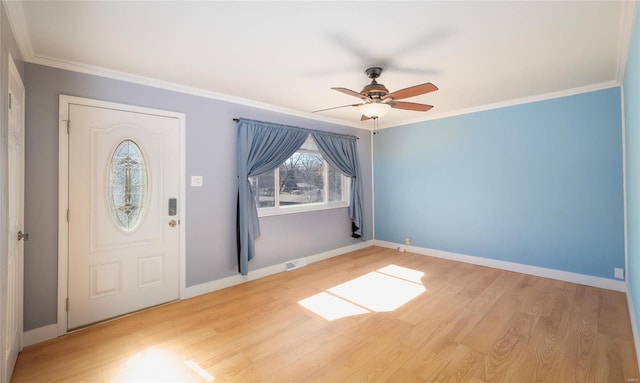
[
  {"x": 233, "y": 280},
  {"x": 47, "y": 332},
  {"x": 51, "y": 331},
  {"x": 39, "y": 334},
  {"x": 566, "y": 276}
]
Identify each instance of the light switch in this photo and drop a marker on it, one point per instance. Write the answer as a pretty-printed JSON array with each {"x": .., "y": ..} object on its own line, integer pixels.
[{"x": 196, "y": 181}]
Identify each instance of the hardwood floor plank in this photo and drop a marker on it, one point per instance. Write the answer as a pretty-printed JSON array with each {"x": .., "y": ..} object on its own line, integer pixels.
[
  {"x": 581, "y": 338},
  {"x": 614, "y": 315},
  {"x": 470, "y": 324},
  {"x": 546, "y": 349},
  {"x": 354, "y": 361},
  {"x": 460, "y": 366},
  {"x": 613, "y": 363},
  {"x": 503, "y": 355}
]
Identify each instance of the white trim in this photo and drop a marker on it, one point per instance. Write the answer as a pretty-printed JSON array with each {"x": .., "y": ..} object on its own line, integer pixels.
[
  {"x": 18, "y": 23},
  {"x": 63, "y": 192},
  {"x": 51, "y": 331},
  {"x": 182, "y": 205},
  {"x": 566, "y": 276},
  {"x": 630, "y": 305},
  {"x": 40, "y": 334},
  {"x": 302, "y": 208},
  {"x": 628, "y": 11},
  {"x": 634, "y": 324},
  {"x": 63, "y": 206},
  {"x": 624, "y": 183},
  {"x": 167, "y": 85},
  {"x": 233, "y": 280},
  {"x": 373, "y": 192},
  {"x": 147, "y": 81},
  {"x": 514, "y": 102}
]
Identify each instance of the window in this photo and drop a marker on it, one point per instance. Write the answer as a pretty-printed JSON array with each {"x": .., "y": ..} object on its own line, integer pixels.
[{"x": 305, "y": 181}]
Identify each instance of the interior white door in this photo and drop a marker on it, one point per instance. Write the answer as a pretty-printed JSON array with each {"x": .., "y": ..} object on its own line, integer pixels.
[
  {"x": 13, "y": 290},
  {"x": 124, "y": 240}
]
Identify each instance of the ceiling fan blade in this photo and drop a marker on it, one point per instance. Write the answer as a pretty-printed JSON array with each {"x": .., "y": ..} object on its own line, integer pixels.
[
  {"x": 335, "y": 107},
  {"x": 412, "y": 91},
  {"x": 410, "y": 106},
  {"x": 351, "y": 93},
  {"x": 364, "y": 118}
]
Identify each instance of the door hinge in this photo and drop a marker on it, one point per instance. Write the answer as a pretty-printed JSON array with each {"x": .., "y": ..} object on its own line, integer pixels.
[
  {"x": 10, "y": 99},
  {"x": 68, "y": 124},
  {"x": 67, "y": 215},
  {"x": 67, "y": 305}
]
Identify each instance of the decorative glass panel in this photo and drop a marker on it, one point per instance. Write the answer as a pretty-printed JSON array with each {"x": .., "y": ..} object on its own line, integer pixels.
[{"x": 127, "y": 189}]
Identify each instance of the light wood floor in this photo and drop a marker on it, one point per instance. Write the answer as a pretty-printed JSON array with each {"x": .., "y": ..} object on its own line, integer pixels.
[{"x": 465, "y": 323}]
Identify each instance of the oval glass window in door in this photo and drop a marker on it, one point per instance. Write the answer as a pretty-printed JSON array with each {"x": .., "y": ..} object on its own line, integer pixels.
[{"x": 127, "y": 187}]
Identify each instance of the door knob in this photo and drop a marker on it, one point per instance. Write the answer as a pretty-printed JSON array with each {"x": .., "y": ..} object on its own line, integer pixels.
[
  {"x": 22, "y": 235},
  {"x": 173, "y": 223}
]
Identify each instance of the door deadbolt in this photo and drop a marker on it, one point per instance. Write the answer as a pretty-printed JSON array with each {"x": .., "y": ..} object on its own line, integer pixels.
[{"x": 173, "y": 223}]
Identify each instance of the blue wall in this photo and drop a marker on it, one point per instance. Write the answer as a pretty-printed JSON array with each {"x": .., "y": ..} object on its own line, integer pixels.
[
  {"x": 537, "y": 184},
  {"x": 632, "y": 140}
]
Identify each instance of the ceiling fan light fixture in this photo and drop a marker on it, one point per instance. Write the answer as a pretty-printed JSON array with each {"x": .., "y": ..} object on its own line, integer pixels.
[{"x": 375, "y": 109}]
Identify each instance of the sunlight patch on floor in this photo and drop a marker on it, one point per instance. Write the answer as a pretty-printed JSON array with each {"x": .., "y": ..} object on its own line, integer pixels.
[
  {"x": 157, "y": 365},
  {"x": 383, "y": 290},
  {"x": 405, "y": 273},
  {"x": 331, "y": 307}
]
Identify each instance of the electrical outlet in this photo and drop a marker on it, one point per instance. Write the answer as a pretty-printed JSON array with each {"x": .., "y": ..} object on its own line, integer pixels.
[
  {"x": 196, "y": 181},
  {"x": 618, "y": 273},
  {"x": 407, "y": 241}
]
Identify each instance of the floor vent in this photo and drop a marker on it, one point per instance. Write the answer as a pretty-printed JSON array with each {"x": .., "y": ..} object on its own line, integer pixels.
[{"x": 295, "y": 264}]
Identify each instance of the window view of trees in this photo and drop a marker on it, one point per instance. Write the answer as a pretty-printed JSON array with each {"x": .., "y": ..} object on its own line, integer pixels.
[
  {"x": 304, "y": 178},
  {"x": 301, "y": 179}
]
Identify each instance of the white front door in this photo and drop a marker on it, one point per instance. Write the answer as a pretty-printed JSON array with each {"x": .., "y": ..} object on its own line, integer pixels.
[
  {"x": 124, "y": 189},
  {"x": 12, "y": 313}
]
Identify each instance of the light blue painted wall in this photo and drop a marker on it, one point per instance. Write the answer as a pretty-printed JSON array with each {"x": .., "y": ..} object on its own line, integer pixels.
[
  {"x": 632, "y": 140},
  {"x": 210, "y": 210},
  {"x": 537, "y": 184}
]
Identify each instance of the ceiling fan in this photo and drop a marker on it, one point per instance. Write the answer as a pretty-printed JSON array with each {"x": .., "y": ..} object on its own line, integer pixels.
[{"x": 378, "y": 100}]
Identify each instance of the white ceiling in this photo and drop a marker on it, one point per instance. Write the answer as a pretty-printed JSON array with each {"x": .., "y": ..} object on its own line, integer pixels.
[{"x": 287, "y": 55}]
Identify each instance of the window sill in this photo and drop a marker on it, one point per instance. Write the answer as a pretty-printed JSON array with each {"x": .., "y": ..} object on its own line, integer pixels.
[{"x": 267, "y": 212}]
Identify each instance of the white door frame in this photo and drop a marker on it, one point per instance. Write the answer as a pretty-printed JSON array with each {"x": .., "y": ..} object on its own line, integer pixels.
[{"x": 63, "y": 192}]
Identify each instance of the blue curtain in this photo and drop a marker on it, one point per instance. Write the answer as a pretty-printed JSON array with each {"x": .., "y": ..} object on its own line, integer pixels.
[
  {"x": 341, "y": 152},
  {"x": 262, "y": 147}
]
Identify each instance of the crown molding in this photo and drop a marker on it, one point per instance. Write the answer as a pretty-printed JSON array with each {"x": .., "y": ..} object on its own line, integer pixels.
[
  {"x": 514, "y": 102},
  {"x": 167, "y": 85},
  {"x": 628, "y": 11},
  {"x": 18, "y": 23}
]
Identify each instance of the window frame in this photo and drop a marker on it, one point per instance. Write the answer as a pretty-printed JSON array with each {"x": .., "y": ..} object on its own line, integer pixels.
[{"x": 307, "y": 207}]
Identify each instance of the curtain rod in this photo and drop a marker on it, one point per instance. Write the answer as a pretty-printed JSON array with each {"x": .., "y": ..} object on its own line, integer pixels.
[{"x": 312, "y": 130}]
